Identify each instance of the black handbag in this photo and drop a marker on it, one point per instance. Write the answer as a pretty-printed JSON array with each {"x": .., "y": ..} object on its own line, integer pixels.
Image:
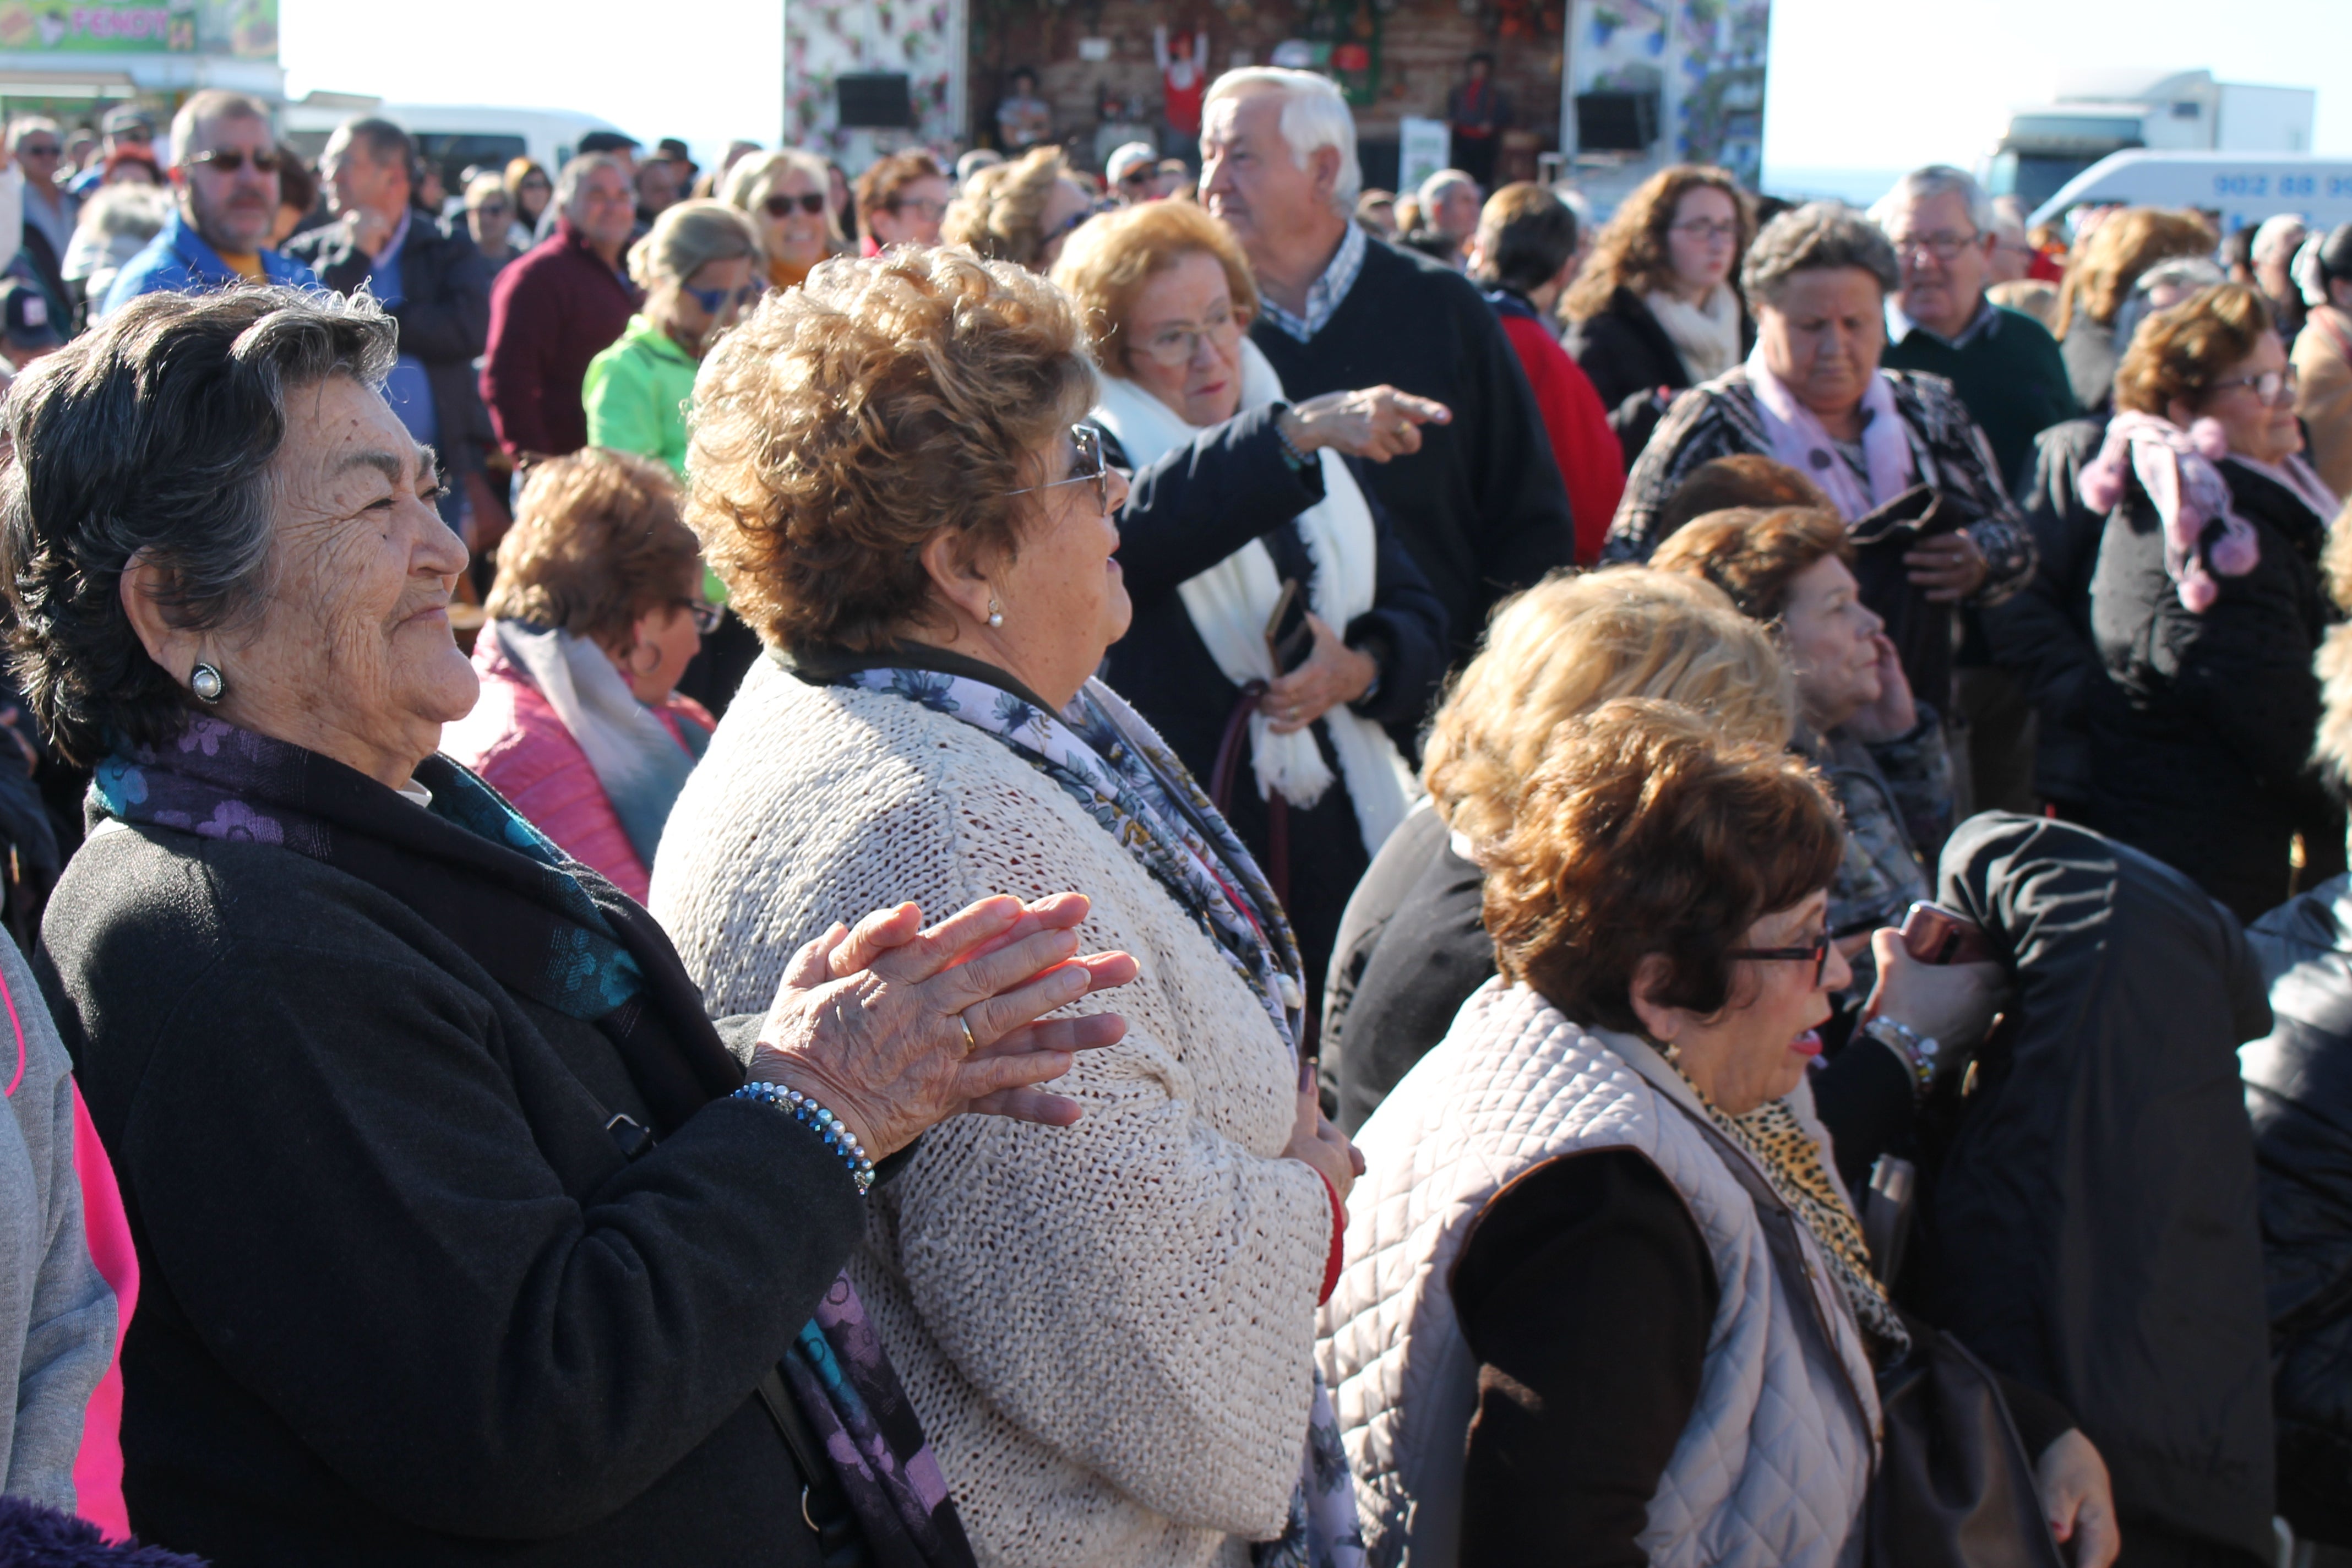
[
  {"x": 1954, "y": 1487},
  {"x": 1921, "y": 630}
]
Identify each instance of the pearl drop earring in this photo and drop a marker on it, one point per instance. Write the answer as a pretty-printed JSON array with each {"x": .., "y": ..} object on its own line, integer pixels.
[{"x": 995, "y": 613}]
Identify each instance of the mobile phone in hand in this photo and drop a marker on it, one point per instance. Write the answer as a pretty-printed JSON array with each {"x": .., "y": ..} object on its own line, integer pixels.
[{"x": 1934, "y": 934}]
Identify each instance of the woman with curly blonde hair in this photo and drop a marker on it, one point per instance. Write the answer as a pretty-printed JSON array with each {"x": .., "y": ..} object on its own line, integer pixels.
[
  {"x": 2099, "y": 278},
  {"x": 1018, "y": 211},
  {"x": 1654, "y": 309},
  {"x": 1109, "y": 1332}
]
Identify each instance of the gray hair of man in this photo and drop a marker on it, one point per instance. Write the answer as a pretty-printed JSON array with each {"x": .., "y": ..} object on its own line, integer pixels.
[
  {"x": 211, "y": 107},
  {"x": 2278, "y": 238},
  {"x": 1313, "y": 116},
  {"x": 687, "y": 236},
  {"x": 1938, "y": 180},
  {"x": 156, "y": 434},
  {"x": 2163, "y": 285},
  {"x": 1816, "y": 236},
  {"x": 24, "y": 125},
  {"x": 574, "y": 178},
  {"x": 1433, "y": 189}
]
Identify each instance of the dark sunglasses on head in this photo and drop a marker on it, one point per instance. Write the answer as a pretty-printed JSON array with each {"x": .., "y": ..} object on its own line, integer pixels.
[
  {"x": 231, "y": 160},
  {"x": 782, "y": 206},
  {"x": 719, "y": 301},
  {"x": 1818, "y": 955}
]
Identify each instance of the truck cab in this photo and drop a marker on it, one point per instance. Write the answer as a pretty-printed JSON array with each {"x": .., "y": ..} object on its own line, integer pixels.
[{"x": 2046, "y": 145}]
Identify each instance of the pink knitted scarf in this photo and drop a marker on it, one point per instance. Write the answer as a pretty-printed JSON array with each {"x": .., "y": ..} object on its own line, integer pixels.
[{"x": 2179, "y": 470}]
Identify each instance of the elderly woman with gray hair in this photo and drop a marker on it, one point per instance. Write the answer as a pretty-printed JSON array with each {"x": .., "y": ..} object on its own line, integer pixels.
[
  {"x": 467, "y": 1235},
  {"x": 1896, "y": 452}
]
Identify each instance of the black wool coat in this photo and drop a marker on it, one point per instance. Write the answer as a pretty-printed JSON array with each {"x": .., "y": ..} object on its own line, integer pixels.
[
  {"x": 402, "y": 1298},
  {"x": 1630, "y": 357}
]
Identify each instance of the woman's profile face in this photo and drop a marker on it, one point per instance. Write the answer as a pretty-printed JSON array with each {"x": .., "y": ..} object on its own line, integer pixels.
[
  {"x": 1703, "y": 238},
  {"x": 1065, "y": 210},
  {"x": 1832, "y": 642},
  {"x": 663, "y": 643},
  {"x": 1063, "y": 597},
  {"x": 684, "y": 316},
  {"x": 351, "y": 654},
  {"x": 1757, "y": 1047},
  {"x": 1822, "y": 336},
  {"x": 1183, "y": 341},
  {"x": 2265, "y": 431}
]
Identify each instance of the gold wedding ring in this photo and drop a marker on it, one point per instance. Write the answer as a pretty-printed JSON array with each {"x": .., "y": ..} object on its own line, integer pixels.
[{"x": 970, "y": 1041}]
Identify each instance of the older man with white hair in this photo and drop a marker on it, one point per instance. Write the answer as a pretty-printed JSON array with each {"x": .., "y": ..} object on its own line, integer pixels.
[
  {"x": 1451, "y": 201},
  {"x": 2273, "y": 255},
  {"x": 1477, "y": 499},
  {"x": 556, "y": 307}
]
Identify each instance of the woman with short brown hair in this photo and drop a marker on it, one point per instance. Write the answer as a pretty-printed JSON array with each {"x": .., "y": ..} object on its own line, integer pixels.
[
  {"x": 597, "y": 609},
  {"x": 1568, "y": 1199},
  {"x": 2208, "y": 605},
  {"x": 2099, "y": 277},
  {"x": 1656, "y": 307}
]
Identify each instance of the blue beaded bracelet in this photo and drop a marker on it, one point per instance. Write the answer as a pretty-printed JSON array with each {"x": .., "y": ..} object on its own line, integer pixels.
[{"x": 824, "y": 1122}]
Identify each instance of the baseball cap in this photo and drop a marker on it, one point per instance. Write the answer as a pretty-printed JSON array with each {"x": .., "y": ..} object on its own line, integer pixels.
[
  {"x": 1128, "y": 159},
  {"x": 124, "y": 117},
  {"x": 24, "y": 317}
]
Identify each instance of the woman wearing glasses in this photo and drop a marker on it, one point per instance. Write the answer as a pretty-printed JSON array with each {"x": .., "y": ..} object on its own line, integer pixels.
[
  {"x": 700, "y": 267},
  {"x": 1652, "y": 310},
  {"x": 2208, "y": 603},
  {"x": 598, "y": 610},
  {"x": 1108, "y": 1333},
  {"x": 1229, "y": 506},
  {"x": 1575, "y": 1198},
  {"x": 787, "y": 196}
]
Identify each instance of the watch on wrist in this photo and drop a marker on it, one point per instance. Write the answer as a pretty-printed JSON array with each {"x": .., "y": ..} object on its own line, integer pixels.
[{"x": 1920, "y": 1053}]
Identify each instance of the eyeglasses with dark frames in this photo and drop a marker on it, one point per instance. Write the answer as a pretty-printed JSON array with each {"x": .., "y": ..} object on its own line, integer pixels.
[
  {"x": 782, "y": 206},
  {"x": 1090, "y": 467},
  {"x": 707, "y": 616},
  {"x": 231, "y": 160},
  {"x": 1818, "y": 955}
]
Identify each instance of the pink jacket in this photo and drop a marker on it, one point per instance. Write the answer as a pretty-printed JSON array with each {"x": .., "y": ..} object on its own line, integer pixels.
[{"x": 513, "y": 739}]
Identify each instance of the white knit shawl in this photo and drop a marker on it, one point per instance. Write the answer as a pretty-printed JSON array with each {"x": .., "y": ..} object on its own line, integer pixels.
[{"x": 1231, "y": 602}]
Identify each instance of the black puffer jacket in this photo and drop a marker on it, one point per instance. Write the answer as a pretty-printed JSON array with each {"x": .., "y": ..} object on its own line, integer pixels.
[
  {"x": 2205, "y": 763},
  {"x": 2091, "y": 1229},
  {"x": 1629, "y": 358},
  {"x": 2299, "y": 1094}
]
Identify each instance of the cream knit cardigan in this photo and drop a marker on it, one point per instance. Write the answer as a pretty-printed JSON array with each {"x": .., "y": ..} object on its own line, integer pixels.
[{"x": 1107, "y": 1330}]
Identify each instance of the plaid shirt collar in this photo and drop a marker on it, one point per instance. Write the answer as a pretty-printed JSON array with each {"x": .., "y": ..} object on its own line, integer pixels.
[{"x": 1323, "y": 296}]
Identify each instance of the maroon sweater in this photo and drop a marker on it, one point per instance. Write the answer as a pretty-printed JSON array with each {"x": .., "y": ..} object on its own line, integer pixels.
[{"x": 551, "y": 312}]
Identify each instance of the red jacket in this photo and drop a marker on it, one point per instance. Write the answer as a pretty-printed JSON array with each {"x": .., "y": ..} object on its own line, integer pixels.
[
  {"x": 552, "y": 309},
  {"x": 1592, "y": 462}
]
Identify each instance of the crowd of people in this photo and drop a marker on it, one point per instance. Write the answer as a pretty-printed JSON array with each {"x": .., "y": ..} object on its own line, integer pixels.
[{"x": 1196, "y": 866}]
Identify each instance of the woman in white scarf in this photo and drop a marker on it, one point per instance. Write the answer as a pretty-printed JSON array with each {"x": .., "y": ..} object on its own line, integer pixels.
[{"x": 1236, "y": 492}]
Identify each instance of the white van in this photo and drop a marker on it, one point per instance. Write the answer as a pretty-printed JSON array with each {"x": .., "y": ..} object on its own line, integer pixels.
[
  {"x": 2244, "y": 187},
  {"x": 455, "y": 136}
]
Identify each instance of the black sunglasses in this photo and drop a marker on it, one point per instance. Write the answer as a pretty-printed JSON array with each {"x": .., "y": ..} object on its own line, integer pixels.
[
  {"x": 229, "y": 161},
  {"x": 782, "y": 206},
  {"x": 1819, "y": 954}
]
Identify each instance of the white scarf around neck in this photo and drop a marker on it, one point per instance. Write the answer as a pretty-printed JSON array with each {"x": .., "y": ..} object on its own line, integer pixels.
[
  {"x": 1799, "y": 440},
  {"x": 1706, "y": 336},
  {"x": 1231, "y": 602}
]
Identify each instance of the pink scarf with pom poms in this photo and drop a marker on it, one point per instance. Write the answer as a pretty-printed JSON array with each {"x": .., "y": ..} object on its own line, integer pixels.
[{"x": 2178, "y": 468}]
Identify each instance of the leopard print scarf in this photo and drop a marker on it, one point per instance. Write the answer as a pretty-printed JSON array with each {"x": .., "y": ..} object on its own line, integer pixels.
[{"x": 1792, "y": 1162}]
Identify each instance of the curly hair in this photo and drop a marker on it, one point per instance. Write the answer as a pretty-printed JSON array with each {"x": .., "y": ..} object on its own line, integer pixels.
[
  {"x": 1001, "y": 213},
  {"x": 597, "y": 542},
  {"x": 848, "y": 421},
  {"x": 1107, "y": 264},
  {"x": 1630, "y": 250},
  {"x": 1753, "y": 553},
  {"x": 1816, "y": 236},
  {"x": 2102, "y": 268},
  {"x": 156, "y": 435},
  {"x": 1574, "y": 641},
  {"x": 689, "y": 236},
  {"x": 878, "y": 189},
  {"x": 2180, "y": 353},
  {"x": 1647, "y": 830}
]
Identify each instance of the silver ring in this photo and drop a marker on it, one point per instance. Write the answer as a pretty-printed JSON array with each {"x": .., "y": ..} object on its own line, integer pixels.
[{"x": 970, "y": 1041}]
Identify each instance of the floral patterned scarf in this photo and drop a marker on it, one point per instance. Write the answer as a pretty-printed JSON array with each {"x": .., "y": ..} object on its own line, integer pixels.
[
  {"x": 550, "y": 929},
  {"x": 1101, "y": 753}
]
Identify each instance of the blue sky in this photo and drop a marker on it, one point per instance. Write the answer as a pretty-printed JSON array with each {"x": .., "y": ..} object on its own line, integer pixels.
[{"x": 1909, "y": 81}]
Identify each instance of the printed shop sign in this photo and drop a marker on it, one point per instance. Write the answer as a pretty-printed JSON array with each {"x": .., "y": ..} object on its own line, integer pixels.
[{"x": 247, "y": 29}]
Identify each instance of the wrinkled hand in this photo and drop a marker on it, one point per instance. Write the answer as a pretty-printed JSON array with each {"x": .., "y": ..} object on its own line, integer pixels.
[
  {"x": 1374, "y": 422},
  {"x": 865, "y": 1020},
  {"x": 1949, "y": 566},
  {"x": 1333, "y": 674},
  {"x": 1953, "y": 1002},
  {"x": 2079, "y": 1500},
  {"x": 1897, "y": 712},
  {"x": 1316, "y": 1141}
]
